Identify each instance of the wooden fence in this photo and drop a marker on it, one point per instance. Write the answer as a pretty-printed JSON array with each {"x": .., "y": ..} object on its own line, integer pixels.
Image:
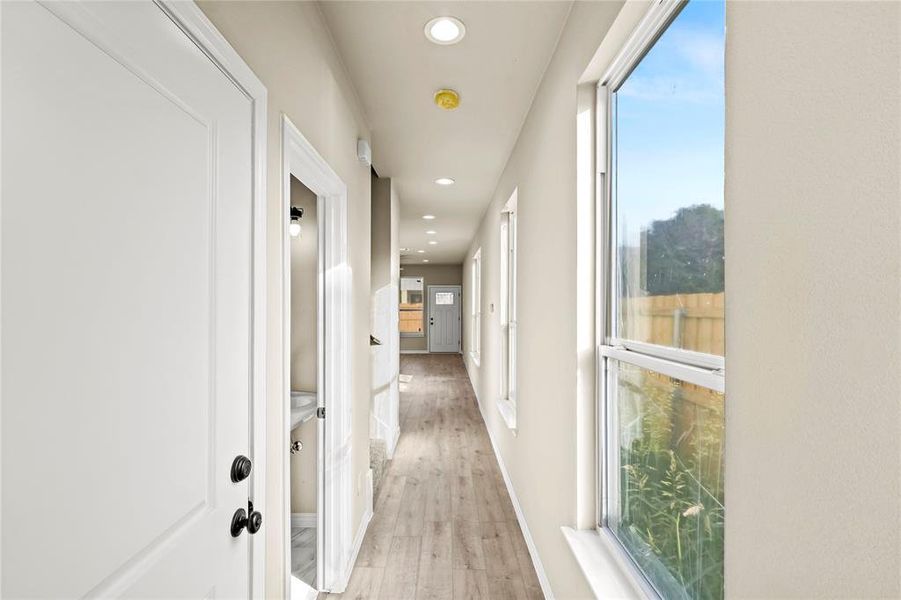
[{"x": 688, "y": 321}]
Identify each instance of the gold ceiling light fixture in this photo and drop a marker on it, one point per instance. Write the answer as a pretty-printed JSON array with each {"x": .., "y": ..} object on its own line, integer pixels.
[{"x": 447, "y": 99}]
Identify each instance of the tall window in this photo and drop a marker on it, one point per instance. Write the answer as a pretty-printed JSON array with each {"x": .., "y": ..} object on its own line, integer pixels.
[
  {"x": 507, "y": 400},
  {"x": 475, "y": 343},
  {"x": 411, "y": 307},
  {"x": 662, "y": 364}
]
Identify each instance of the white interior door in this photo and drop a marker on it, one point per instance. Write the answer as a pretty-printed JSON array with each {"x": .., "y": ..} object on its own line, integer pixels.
[
  {"x": 126, "y": 306},
  {"x": 444, "y": 318}
]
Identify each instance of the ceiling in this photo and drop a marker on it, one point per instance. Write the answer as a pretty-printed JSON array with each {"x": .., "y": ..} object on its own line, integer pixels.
[{"x": 496, "y": 68}]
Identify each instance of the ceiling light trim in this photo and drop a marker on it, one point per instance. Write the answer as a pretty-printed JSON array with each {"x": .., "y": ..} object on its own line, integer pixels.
[{"x": 444, "y": 30}]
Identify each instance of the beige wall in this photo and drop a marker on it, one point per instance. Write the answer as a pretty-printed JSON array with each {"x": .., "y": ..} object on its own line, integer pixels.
[
  {"x": 432, "y": 275},
  {"x": 542, "y": 458},
  {"x": 813, "y": 303},
  {"x": 289, "y": 48},
  {"x": 813, "y": 233},
  {"x": 304, "y": 284}
]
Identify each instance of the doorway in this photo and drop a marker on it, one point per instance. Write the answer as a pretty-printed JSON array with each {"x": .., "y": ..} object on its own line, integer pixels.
[
  {"x": 444, "y": 318},
  {"x": 316, "y": 376},
  {"x": 304, "y": 400}
]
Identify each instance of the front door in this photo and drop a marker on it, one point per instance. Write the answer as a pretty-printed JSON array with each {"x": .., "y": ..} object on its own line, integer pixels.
[
  {"x": 444, "y": 318},
  {"x": 126, "y": 306}
]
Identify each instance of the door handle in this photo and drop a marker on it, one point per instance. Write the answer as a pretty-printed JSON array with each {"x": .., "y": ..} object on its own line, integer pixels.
[{"x": 241, "y": 520}]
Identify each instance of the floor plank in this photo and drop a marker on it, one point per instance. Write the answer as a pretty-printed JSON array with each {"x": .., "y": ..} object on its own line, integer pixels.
[
  {"x": 435, "y": 580},
  {"x": 467, "y": 542},
  {"x": 399, "y": 582},
  {"x": 470, "y": 585}
]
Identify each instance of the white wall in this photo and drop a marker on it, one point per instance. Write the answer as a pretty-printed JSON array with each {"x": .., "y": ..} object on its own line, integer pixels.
[
  {"x": 289, "y": 48},
  {"x": 542, "y": 458},
  {"x": 813, "y": 305},
  {"x": 385, "y": 409}
]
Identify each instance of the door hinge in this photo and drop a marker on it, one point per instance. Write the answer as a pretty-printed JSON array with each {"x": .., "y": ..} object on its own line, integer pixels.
[{"x": 320, "y": 412}]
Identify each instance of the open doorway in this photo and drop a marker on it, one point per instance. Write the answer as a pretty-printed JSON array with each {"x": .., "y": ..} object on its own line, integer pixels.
[
  {"x": 304, "y": 448},
  {"x": 316, "y": 393}
]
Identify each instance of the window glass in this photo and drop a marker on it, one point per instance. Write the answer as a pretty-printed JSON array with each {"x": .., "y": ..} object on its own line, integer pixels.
[
  {"x": 669, "y": 456},
  {"x": 668, "y": 188},
  {"x": 444, "y": 298},
  {"x": 411, "y": 306},
  {"x": 663, "y": 454}
]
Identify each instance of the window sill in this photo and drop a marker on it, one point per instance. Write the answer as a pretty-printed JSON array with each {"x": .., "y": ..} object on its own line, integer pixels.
[
  {"x": 508, "y": 412},
  {"x": 475, "y": 358},
  {"x": 605, "y": 574}
]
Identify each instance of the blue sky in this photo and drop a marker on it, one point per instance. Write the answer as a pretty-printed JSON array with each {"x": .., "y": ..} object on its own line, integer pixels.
[{"x": 670, "y": 122}]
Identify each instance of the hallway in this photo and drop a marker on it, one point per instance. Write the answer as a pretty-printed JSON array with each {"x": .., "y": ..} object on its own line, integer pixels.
[{"x": 444, "y": 526}]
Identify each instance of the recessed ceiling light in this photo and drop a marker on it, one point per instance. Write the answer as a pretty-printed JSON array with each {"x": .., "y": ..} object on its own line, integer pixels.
[
  {"x": 428, "y": 217},
  {"x": 445, "y": 31},
  {"x": 425, "y": 260},
  {"x": 444, "y": 181},
  {"x": 431, "y": 232},
  {"x": 421, "y": 251},
  {"x": 432, "y": 242}
]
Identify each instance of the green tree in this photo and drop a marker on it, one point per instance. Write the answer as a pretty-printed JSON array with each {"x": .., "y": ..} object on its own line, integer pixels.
[{"x": 685, "y": 253}]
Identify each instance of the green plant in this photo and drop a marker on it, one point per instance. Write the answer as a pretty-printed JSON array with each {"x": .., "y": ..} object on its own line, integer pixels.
[{"x": 672, "y": 506}]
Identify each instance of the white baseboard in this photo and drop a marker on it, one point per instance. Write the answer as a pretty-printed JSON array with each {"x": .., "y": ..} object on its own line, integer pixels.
[
  {"x": 414, "y": 352},
  {"x": 303, "y": 519},
  {"x": 520, "y": 517},
  {"x": 361, "y": 532}
]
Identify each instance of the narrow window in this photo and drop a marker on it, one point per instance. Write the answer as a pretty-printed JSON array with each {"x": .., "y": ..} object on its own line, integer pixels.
[
  {"x": 411, "y": 307},
  {"x": 662, "y": 297},
  {"x": 507, "y": 400},
  {"x": 475, "y": 343}
]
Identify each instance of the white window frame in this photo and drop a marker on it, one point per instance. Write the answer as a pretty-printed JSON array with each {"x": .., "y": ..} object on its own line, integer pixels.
[
  {"x": 475, "y": 330},
  {"x": 506, "y": 402},
  {"x": 693, "y": 367}
]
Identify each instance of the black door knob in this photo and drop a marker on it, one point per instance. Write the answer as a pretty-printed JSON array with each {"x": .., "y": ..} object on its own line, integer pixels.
[
  {"x": 241, "y": 468},
  {"x": 240, "y": 520},
  {"x": 254, "y": 521}
]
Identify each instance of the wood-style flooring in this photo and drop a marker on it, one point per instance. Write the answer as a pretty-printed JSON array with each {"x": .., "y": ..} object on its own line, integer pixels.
[
  {"x": 444, "y": 526},
  {"x": 303, "y": 554}
]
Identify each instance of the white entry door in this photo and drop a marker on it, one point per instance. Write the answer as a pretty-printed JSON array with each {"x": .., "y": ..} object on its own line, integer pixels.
[
  {"x": 127, "y": 235},
  {"x": 444, "y": 318}
]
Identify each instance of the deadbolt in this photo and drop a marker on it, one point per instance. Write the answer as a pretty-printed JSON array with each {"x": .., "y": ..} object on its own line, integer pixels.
[{"x": 241, "y": 468}]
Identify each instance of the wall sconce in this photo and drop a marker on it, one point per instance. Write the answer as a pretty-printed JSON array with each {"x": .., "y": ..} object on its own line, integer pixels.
[{"x": 296, "y": 216}]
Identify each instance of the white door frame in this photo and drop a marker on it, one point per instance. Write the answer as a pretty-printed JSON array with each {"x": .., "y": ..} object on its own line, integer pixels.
[
  {"x": 195, "y": 24},
  {"x": 334, "y": 494},
  {"x": 459, "y": 304}
]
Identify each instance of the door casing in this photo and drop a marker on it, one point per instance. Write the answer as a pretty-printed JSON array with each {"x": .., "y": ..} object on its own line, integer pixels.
[{"x": 335, "y": 537}]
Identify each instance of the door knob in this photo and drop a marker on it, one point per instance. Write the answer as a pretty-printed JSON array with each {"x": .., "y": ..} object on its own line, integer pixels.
[
  {"x": 241, "y": 468},
  {"x": 240, "y": 520}
]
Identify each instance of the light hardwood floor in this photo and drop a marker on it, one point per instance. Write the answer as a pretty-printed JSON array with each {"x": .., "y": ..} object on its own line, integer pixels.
[{"x": 444, "y": 526}]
